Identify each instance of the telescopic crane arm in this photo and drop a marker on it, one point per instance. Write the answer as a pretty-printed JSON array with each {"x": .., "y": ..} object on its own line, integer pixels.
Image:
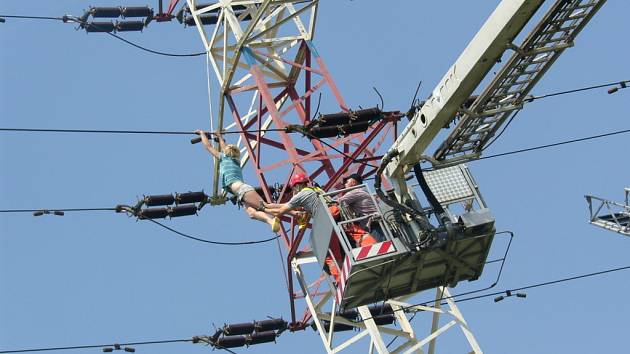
[
  {"x": 506, "y": 92},
  {"x": 463, "y": 77}
]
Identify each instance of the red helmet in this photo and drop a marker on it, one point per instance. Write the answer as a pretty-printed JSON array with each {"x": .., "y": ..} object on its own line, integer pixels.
[{"x": 298, "y": 178}]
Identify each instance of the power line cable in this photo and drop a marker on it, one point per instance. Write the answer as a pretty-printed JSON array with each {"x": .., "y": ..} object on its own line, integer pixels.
[
  {"x": 624, "y": 131},
  {"x": 153, "y": 221},
  {"x": 77, "y": 20},
  {"x": 552, "y": 282},
  {"x": 155, "y": 51},
  {"x": 67, "y": 18},
  {"x": 34, "y": 17},
  {"x": 96, "y": 131},
  {"x": 592, "y": 137},
  {"x": 506, "y": 291},
  {"x": 311, "y": 136},
  {"x": 553, "y": 94},
  {"x": 95, "y": 346},
  {"x": 532, "y": 286},
  {"x": 63, "y": 210},
  {"x": 537, "y": 285},
  {"x": 502, "y": 130},
  {"x": 555, "y": 144},
  {"x": 213, "y": 242},
  {"x": 587, "y": 88},
  {"x": 109, "y": 131}
]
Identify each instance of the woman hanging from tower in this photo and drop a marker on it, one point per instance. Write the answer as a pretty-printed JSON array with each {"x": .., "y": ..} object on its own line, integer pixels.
[{"x": 232, "y": 179}]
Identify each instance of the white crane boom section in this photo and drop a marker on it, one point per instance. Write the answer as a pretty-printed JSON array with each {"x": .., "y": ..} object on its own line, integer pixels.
[{"x": 494, "y": 37}]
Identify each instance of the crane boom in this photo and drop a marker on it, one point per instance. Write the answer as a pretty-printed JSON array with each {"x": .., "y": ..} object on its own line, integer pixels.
[
  {"x": 499, "y": 30},
  {"x": 508, "y": 90},
  {"x": 505, "y": 94}
]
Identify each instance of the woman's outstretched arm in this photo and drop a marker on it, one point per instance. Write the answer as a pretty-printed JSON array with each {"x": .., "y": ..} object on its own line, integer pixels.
[{"x": 207, "y": 144}]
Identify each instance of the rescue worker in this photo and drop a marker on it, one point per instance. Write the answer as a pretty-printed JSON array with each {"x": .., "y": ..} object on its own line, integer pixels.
[
  {"x": 307, "y": 198},
  {"x": 360, "y": 203},
  {"x": 232, "y": 179},
  {"x": 304, "y": 199}
]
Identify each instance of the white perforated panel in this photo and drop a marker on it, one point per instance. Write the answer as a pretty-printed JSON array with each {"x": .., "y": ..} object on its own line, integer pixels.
[{"x": 448, "y": 184}]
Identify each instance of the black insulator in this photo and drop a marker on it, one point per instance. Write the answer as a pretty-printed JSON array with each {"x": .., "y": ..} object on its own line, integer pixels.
[
  {"x": 333, "y": 119},
  {"x": 339, "y": 327},
  {"x": 384, "y": 309},
  {"x": 382, "y": 320},
  {"x": 99, "y": 27},
  {"x": 238, "y": 328},
  {"x": 362, "y": 115},
  {"x": 351, "y": 314},
  {"x": 334, "y": 130},
  {"x": 153, "y": 213},
  {"x": 368, "y": 114},
  {"x": 128, "y": 26},
  {"x": 206, "y": 19},
  {"x": 108, "y": 350},
  {"x": 191, "y": 197},
  {"x": 101, "y": 12},
  {"x": 270, "y": 325},
  {"x": 323, "y": 132},
  {"x": 137, "y": 11},
  {"x": 356, "y": 127},
  {"x": 164, "y": 199},
  {"x": 261, "y": 337},
  {"x": 39, "y": 213},
  {"x": 130, "y": 350},
  {"x": 231, "y": 342},
  {"x": 58, "y": 213},
  {"x": 183, "y": 210}
]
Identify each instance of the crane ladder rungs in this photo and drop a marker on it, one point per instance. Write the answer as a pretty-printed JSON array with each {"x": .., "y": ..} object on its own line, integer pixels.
[{"x": 506, "y": 93}]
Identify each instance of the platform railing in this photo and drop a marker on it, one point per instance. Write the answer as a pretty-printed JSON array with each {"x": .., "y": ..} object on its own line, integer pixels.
[{"x": 610, "y": 215}]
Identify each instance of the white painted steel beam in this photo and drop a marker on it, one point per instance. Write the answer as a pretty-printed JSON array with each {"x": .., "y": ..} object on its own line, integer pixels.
[{"x": 499, "y": 30}]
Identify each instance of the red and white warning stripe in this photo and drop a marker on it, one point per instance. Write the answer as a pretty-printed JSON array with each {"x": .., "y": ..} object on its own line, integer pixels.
[
  {"x": 376, "y": 249},
  {"x": 343, "y": 278}
]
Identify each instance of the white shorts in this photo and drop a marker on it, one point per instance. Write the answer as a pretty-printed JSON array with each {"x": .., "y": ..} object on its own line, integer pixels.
[{"x": 242, "y": 189}]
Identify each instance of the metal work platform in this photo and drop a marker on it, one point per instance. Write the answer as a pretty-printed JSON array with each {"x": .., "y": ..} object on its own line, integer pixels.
[
  {"x": 610, "y": 215},
  {"x": 402, "y": 263},
  {"x": 405, "y": 271}
]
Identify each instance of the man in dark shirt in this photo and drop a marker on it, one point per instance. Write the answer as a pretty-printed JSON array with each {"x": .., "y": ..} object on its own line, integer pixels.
[{"x": 360, "y": 203}]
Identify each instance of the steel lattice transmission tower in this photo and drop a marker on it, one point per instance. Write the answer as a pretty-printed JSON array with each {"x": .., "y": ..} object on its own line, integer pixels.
[
  {"x": 263, "y": 56},
  {"x": 269, "y": 71}
]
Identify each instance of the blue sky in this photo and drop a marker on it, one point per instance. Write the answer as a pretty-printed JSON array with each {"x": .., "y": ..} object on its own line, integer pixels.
[{"x": 91, "y": 278}]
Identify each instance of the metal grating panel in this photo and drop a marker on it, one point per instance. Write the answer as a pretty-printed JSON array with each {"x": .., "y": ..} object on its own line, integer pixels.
[{"x": 448, "y": 184}]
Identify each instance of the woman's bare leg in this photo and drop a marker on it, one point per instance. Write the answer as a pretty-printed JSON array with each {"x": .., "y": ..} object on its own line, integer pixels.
[
  {"x": 258, "y": 215},
  {"x": 252, "y": 202}
]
